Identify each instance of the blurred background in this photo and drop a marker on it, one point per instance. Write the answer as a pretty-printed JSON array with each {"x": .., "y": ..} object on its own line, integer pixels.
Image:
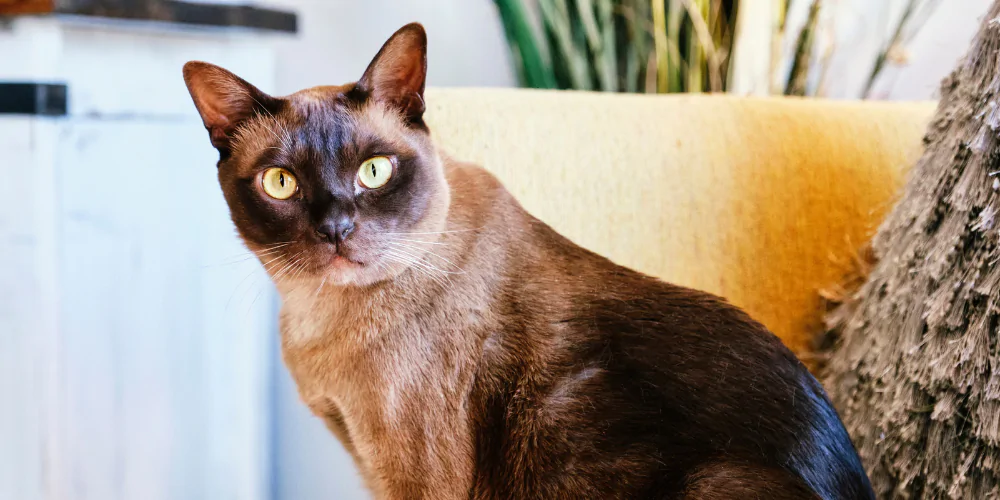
[{"x": 139, "y": 353}]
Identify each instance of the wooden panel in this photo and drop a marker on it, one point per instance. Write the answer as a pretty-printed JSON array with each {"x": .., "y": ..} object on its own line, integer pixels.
[
  {"x": 29, "y": 373},
  {"x": 166, "y": 361},
  {"x": 17, "y": 7},
  {"x": 217, "y": 14},
  {"x": 136, "y": 333}
]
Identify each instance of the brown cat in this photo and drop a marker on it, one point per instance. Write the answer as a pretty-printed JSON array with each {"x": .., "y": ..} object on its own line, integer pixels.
[{"x": 460, "y": 348}]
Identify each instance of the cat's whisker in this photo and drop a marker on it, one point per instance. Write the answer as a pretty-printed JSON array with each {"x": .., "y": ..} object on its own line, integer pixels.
[
  {"x": 267, "y": 268},
  {"x": 420, "y": 241},
  {"x": 267, "y": 253},
  {"x": 417, "y": 258},
  {"x": 238, "y": 287},
  {"x": 254, "y": 301},
  {"x": 431, "y": 252},
  {"x": 288, "y": 263},
  {"x": 261, "y": 286},
  {"x": 277, "y": 244},
  {"x": 409, "y": 264},
  {"x": 266, "y": 264},
  {"x": 304, "y": 263},
  {"x": 437, "y": 232},
  {"x": 245, "y": 256},
  {"x": 315, "y": 297},
  {"x": 409, "y": 248},
  {"x": 291, "y": 270},
  {"x": 227, "y": 262},
  {"x": 418, "y": 266},
  {"x": 320, "y": 287},
  {"x": 427, "y": 263}
]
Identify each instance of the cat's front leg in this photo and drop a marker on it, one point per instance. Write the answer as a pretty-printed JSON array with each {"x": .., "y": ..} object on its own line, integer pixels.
[{"x": 333, "y": 418}]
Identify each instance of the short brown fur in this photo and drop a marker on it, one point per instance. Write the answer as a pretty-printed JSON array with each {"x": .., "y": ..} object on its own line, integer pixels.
[{"x": 460, "y": 348}]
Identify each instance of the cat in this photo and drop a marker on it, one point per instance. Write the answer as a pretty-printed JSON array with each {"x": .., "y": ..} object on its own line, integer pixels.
[{"x": 460, "y": 348}]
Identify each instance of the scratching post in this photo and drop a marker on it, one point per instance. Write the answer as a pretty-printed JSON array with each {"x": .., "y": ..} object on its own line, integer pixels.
[{"x": 916, "y": 371}]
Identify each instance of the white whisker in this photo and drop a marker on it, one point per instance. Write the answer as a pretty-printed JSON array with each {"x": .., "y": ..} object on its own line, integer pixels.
[
  {"x": 320, "y": 287},
  {"x": 291, "y": 270},
  {"x": 407, "y": 248},
  {"x": 432, "y": 253},
  {"x": 418, "y": 266},
  {"x": 245, "y": 256},
  {"x": 437, "y": 232},
  {"x": 238, "y": 286},
  {"x": 266, "y": 264},
  {"x": 417, "y": 259},
  {"x": 287, "y": 265},
  {"x": 254, "y": 301},
  {"x": 304, "y": 263},
  {"x": 421, "y": 241}
]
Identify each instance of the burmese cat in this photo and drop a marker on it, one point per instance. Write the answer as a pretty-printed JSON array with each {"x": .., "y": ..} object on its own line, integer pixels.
[{"x": 460, "y": 348}]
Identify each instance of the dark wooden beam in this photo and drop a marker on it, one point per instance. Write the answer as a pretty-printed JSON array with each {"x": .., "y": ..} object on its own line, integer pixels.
[
  {"x": 169, "y": 11},
  {"x": 30, "y": 98},
  {"x": 20, "y": 7}
]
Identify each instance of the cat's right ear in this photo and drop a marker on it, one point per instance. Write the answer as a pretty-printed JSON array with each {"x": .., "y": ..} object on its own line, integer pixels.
[
  {"x": 397, "y": 74},
  {"x": 223, "y": 100}
]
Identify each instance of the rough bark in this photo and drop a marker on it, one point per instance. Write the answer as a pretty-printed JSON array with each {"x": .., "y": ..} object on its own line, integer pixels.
[{"x": 916, "y": 371}]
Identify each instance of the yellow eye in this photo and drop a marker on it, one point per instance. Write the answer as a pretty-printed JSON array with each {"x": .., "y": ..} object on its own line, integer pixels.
[
  {"x": 375, "y": 172},
  {"x": 279, "y": 183}
]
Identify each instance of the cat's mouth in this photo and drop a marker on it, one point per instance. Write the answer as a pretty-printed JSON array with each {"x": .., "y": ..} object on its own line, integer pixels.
[{"x": 339, "y": 260}]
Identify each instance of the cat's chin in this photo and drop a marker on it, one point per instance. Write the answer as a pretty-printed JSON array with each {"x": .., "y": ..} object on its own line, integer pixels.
[
  {"x": 342, "y": 270},
  {"x": 348, "y": 271},
  {"x": 342, "y": 262}
]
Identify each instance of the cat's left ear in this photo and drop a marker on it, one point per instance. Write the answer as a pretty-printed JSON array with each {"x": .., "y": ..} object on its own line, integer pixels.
[{"x": 397, "y": 74}]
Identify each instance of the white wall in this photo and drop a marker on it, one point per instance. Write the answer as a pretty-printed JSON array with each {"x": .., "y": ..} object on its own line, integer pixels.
[
  {"x": 857, "y": 29},
  {"x": 935, "y": 51},
  {"x": 338, "y": 38}
]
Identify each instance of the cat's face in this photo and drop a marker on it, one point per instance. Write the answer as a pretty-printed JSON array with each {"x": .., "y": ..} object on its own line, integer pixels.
[{"x": 332, "y": 183}]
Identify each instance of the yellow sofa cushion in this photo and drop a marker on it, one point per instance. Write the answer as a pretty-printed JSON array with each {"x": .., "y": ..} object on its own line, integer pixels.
[{"x": 762, "y": 201}]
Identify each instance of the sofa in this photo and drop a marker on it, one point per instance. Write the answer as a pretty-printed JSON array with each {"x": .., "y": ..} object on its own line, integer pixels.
[{"x": 763, "y": 201}]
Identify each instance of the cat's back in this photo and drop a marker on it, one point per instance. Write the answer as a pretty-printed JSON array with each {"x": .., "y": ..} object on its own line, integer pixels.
[
  {"x": 703, "y": 382},
  {"x": 633, "y": 384}
]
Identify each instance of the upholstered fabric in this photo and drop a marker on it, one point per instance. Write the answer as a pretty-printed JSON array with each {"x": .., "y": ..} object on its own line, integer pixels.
[{"x": 761, "y": 201}]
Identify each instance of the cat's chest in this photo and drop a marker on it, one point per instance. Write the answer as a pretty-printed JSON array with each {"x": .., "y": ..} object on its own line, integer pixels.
[
  {"x": 396, "y": 402},
  {"x": 325, "y": 352}
]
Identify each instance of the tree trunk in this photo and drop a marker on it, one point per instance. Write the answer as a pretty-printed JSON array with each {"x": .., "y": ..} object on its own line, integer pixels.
[{"x": 916, "y": 372}]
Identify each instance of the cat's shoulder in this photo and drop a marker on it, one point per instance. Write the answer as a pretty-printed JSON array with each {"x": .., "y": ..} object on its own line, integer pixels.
[
  {"x": 654, "y": 311},
  {"x": 468, "y": 176}
]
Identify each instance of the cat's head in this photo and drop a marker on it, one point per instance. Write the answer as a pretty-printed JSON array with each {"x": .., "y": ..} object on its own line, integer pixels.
[{"x": 331, "y": 182}]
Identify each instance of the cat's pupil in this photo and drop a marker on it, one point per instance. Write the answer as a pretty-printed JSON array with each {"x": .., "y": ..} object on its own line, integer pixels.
[
  {"x": 281, "y": 179},
  {"x": 373, "y": 169}
]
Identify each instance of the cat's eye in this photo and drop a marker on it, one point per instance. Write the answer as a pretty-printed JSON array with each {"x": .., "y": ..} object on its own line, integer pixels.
[
  {"x": 279, "y": 183},
  {"x": 375, "y": 172}
]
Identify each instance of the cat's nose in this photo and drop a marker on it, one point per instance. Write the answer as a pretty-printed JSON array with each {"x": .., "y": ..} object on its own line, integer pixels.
[{"x": 336, "y": 230}]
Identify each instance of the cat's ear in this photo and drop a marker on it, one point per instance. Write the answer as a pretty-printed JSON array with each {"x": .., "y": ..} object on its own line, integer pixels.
[
  {"x": 223, "y": 100},
  {"x": 397, "y": 74}
]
